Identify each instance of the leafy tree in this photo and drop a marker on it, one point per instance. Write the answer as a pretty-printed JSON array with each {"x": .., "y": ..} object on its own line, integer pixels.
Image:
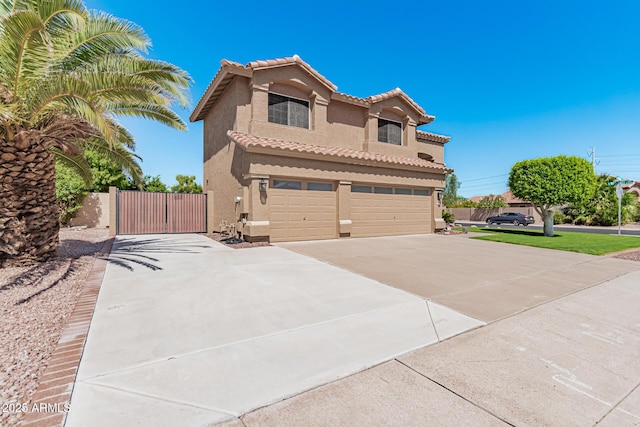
[
  {"x": 602, "y": 208},
  {"x": 186, "y": 184},
  {"x": 107, "y": 172},
  {"x": 463, "y": 203},
  {"x": 450, "y": 195},
  {"x": 552, "y": 181},
  {"x": 66, "y": 75},
  {"x": 492, "y": 201},
  {"x": 153, "y": 184},
  {"x": 70, "y": 192}
]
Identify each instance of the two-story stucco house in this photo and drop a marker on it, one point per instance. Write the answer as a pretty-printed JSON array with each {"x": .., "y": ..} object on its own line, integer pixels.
[{"x": 288, "y": 157}]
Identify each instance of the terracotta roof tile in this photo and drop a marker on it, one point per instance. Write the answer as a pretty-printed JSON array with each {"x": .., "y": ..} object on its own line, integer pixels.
[
  {"x": 397, "y": 92},
  {"x": 350, "y": 99},
  {"x": 247, "y": 141},
  {"x": 432, "y": 137},
  {"x": 295, "y": 59},
  {"x": 229, "y": 69}
]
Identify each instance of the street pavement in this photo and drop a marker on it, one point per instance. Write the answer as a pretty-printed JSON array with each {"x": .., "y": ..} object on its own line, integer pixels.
[
  {"x": 625, "y": 230},
  {"x": 409, "y": 330}
]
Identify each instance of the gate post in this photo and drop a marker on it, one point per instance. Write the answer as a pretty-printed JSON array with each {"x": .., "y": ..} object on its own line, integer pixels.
[
  {"x": 209, "y": 219},
  {"x": 113, "y": 211}
]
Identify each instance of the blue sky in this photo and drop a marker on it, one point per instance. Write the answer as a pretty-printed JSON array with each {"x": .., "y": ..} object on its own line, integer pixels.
[{"x": 507, "y": 80}]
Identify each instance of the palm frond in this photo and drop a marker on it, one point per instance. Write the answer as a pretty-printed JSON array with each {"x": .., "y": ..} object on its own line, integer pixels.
[
  {"x": 78, "y": 163},
  {"x": 174, "y": 81},
  {"x": 158, "y": 113},
  {"x": 102, "y": 34},
  {"x": 120, "y": 155},
  {"x": 23, "y": 49}
]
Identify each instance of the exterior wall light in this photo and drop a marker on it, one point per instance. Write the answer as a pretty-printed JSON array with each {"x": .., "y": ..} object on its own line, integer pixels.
[{"x": 263, "y": 185}]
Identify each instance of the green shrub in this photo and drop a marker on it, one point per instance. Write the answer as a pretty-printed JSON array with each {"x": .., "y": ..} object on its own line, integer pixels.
[
  {"x": 70, "y": 192},
  {"x": 559, "y": 217},
  {"x": 448, "y": 217}
]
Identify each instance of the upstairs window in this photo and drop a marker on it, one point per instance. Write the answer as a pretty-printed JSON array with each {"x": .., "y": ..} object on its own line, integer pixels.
[
  {"x": 288, "y": 111},
  {"x": 390, "y": 132}
]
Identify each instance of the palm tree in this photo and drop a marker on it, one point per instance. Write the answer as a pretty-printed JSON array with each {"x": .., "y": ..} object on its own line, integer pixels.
[{"x": 66, "y": 74}]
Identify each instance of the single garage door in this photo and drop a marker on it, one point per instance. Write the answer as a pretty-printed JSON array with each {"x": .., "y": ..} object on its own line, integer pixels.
[
  {"x": 387, "y": 211},
  {"x": 302, "y": 211}
]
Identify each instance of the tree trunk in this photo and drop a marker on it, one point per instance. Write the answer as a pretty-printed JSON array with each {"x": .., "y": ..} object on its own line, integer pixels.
[
  {"x": 548, "y": 222},
  {"x": 28, "y": 208}
]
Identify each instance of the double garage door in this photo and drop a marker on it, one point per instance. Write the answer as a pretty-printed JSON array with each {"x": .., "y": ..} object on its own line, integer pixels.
[
  {"x": 397, "y": 212},
  {"x": 308, "y": 211}
]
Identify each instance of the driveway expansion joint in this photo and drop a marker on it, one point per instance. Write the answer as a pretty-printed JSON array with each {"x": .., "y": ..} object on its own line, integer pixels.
[{"x": 477, "y": 405}]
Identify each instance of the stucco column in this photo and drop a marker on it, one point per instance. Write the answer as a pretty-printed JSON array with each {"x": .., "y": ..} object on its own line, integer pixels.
[
  {"x": 257, "y": 227},
  {"x": 210, "y": 216},
  {"x": 437, "y": 207},
  {"x": 344, "y": 208},
  {"x": 113, "y": 210}
]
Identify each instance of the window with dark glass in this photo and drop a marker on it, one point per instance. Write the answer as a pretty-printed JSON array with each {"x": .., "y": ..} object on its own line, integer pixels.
[
  {"x": 390, "y": 132},
  {"x": 287, "y": 185},
  {"x": 288, "y": 111},
  {"x": 417, "y": 192},
  {"x": 403, "y": 191},
  {"x": 319, "y": 186},
  {"x": 361, "y": 189},
  {"x": 383, "y": 190}
]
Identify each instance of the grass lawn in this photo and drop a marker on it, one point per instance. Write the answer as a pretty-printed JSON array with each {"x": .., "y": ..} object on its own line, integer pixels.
[{"x": 586, "y": 243}]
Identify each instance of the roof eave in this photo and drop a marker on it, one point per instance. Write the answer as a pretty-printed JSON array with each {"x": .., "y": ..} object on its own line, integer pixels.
[
  {"x": 347, "y": 160},
  {"x": 219, "y": 83}
]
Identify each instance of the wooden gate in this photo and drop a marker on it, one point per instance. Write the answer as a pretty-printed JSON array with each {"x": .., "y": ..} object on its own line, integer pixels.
[{"x": 157, "y": 213}]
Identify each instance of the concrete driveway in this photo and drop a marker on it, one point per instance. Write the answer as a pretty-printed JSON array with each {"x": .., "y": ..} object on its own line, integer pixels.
[
  {"x": 484, "y": 280},
  {"x": 360, "y": 332},
  {"x": 189, "y": 332}
]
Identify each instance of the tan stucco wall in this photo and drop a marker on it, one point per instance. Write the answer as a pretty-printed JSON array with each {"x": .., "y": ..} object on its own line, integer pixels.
[
  {"x": 230, "y": 172},
  {"x": 434, "y": 149},
  {"x": 346, "y": 125},
  {"x": 223, "y": 161},
  {"x": 94, "y": 212}
]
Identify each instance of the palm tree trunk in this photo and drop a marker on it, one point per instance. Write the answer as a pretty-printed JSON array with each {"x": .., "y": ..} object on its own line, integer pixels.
[{"x": 29, "y": 211}]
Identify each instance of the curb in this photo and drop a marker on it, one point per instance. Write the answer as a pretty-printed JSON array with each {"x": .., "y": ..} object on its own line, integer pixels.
[{"x": 53, "y": 394}]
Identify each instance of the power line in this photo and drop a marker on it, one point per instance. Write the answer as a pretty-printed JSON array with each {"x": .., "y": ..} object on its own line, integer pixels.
[
  {"x": 487, "y": 177},
  {"x": 620, "y": 155}
]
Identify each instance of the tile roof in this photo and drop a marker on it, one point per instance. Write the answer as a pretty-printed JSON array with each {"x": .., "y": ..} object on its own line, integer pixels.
[
  {"x": 248, "y": 141},
  {"x": 295, "y": 59},
  {"x": 350, "y": 99},
  {"x": 420, "y": 134},
  {"x": 229, "y": 69},
  {"x": 397, "y": 92}
]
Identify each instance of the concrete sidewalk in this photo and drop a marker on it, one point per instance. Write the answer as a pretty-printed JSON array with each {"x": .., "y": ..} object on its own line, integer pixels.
[
  {"x": 570, "y": 362},
  {"x": 189, "y": 332}
]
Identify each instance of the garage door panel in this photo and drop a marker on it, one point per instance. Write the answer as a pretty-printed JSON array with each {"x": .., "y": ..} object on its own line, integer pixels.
[
  {"x": 302, "y": 215},
  {"x": 389, "y": 214}
]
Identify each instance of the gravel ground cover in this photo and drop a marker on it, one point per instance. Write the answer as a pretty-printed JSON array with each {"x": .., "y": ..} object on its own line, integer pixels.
[
  {"x": 35, "y": 303},
  {"x": 218, "y": 238},
  {"x": 632, "y": 255}
]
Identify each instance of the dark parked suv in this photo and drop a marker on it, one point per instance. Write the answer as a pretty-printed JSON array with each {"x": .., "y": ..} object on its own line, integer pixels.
[{"x": 514, "y": 218}]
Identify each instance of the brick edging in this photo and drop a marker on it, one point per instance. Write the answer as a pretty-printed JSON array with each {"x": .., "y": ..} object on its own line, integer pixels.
[{"x": 54, "y": 390}]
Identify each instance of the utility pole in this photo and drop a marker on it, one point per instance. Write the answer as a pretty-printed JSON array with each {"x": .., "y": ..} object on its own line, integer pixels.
[{"x": 594, "y": 160}]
